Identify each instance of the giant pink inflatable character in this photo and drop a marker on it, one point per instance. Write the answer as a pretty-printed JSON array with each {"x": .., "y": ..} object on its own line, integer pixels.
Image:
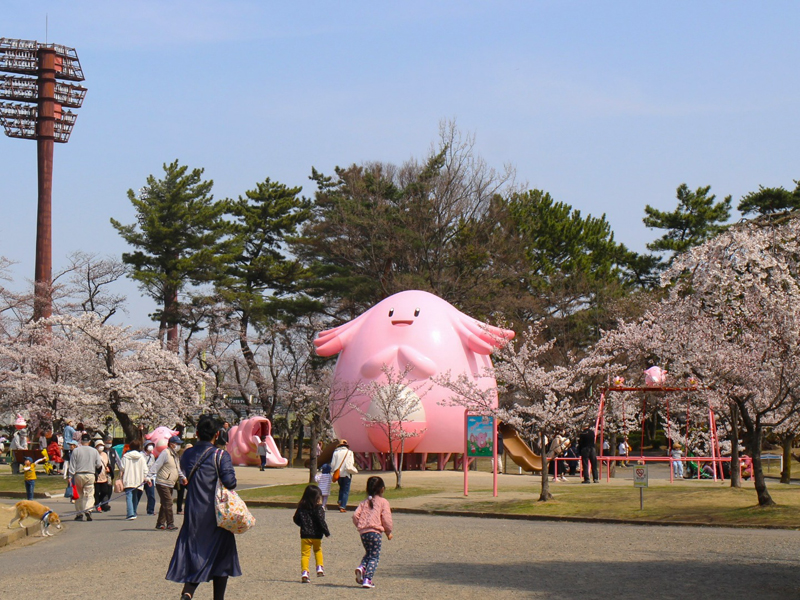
[
  {"x": 160, "y": 438},
  {"x": 243, "y": 440},
  {"x": 410, "y": 329}
]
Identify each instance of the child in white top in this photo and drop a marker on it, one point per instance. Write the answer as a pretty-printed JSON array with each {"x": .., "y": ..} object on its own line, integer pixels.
[{"x": 324, "y": 480}]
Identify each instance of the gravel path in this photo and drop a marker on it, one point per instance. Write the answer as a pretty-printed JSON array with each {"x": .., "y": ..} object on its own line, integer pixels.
[{"x": 430, "y": 557}]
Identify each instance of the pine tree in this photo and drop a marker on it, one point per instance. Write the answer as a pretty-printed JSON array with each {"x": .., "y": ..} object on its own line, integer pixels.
[
  {"x": 177, "y": 239},
  {"x": 259, "y": 276},
  {"x": 696, "y": 219},
  {"x": 769, "y": 201}
]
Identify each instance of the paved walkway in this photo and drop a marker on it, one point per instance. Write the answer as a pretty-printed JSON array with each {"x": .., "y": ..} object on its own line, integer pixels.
[{"x": 430, "y": 557}]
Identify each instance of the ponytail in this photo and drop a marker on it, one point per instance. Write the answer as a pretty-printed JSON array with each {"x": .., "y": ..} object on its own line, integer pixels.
[{"x": 375, "y": 487}]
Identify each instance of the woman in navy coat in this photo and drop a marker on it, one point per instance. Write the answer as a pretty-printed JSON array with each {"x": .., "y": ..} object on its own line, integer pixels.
[{"x": 203, "y": 551}]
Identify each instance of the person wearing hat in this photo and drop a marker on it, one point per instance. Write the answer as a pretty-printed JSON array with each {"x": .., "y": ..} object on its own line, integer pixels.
[
  {"x": 149, "y": 490},
  {"x": 102, "y": 484},
  {"x": 84, "y": 463},
  {"x": 343, "y": 461},
  {"x": 166, "y": 471}
]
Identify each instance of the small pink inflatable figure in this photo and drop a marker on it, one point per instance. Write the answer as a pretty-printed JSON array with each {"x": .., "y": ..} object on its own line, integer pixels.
[
  {"x": 243, "y": 440},
  {"x": 20, "y": 422},
  {"x": 160, "y": 437},
  {"x": 418, "y": 330},
  {"x": 655, "y": 377}
]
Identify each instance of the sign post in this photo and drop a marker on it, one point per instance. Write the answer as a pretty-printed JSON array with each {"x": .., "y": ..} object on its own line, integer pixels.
[
  {"x": 480, "y": 439},
  {"x": 640, "y": 481}
]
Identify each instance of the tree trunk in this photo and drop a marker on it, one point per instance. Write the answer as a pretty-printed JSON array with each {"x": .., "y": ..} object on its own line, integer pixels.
[
  {"x": 290, "y": 439},
  {"x": 545, "y": 494},
  {"x": 129, "y": 428},
  {"x": 786, "y": 443},
  {"x": 764, "y": 499},
  {"x": 301, "y": 434},
  {"x": 399, "y": 467},
  {"x": 171, "y": 319},
  {"x": 262, "y": 386},
  {"x": 612, "y": 464},
  {"x": 312, "y": 453},
  {"x": 736, "y": 479}
]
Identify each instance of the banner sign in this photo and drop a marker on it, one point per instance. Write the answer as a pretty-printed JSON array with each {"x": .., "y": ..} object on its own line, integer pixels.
[{"x": 480, "y": 436}]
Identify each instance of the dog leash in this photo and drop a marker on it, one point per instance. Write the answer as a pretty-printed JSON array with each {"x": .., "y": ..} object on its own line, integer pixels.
[{"x": 88, "y": 510}]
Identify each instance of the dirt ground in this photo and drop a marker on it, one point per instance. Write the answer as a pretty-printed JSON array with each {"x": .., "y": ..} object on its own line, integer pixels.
[{"x": 431, "y": 557}]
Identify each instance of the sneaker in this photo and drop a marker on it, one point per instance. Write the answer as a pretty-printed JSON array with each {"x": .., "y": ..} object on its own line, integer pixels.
[
  {"x": 79, "y": 518},
  {"x": 342, "y": 509},
  {"x": 304, "y": 577},
  {"x": 562, "y": 478},
  {"x": 359, "y": 575},
  {"x": 130, "y": 518},
  {"x": 161, "y": 526},
  {"x": 88, "y": 517},
  {"x": 171, "y": 528},
  {"x": 367, "y": 583},
  {"x": 320, "y": 571}
]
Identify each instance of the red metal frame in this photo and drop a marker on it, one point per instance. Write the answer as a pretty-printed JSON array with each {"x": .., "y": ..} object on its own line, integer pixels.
[{"x": 716, "y": 455}]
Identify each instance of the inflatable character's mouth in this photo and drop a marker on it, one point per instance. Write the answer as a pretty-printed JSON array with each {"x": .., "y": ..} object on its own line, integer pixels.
[{"x": 402, "y": 323}]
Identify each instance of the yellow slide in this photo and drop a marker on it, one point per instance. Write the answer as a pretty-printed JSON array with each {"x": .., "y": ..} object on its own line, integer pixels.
[{"x": 518, "y": 450}]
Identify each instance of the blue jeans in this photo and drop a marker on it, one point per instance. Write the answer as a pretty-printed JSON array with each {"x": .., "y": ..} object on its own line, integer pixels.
[
  {"x": 29, "y": 485},
  {"x": 150, "y": 490},
  {"x": 677, "y": 468},
  {"x": 344, "y": 490},
  {"x": 132, "y": 496}
]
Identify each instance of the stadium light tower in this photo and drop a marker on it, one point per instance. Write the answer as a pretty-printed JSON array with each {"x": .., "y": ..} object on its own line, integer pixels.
[{"x": 39, "y": 98}]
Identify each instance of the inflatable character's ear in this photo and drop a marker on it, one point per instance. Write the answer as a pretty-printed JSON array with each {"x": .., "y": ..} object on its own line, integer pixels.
[
  {"x": 479, "y": 337},
  {"x": 333, "y": 341}
]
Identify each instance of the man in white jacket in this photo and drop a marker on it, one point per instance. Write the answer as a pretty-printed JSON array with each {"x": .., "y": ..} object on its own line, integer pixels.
[{"x": 343, "y": 460}]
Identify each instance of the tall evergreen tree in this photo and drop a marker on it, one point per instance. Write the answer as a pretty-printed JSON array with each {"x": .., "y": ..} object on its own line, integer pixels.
[
  {"x": 696, "y": 219},
  {"x": 177, "y": 239},
  {"x": 257, "y": 280}
]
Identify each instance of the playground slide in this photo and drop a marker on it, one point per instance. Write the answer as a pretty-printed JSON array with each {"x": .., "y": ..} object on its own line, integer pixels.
[
  {"x": 518, "y": 450},
  {"x": 274, "y": 458}
]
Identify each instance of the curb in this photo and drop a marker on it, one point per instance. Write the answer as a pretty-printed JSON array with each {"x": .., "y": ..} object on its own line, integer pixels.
[
  {"x": 22, "y": 495},
  {"x": 12, "y": 535},
  {"x": 562, "y": 519}
]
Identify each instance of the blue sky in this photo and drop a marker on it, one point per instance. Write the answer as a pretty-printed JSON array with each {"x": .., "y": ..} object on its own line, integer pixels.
[{"x": 607, "y": 105}]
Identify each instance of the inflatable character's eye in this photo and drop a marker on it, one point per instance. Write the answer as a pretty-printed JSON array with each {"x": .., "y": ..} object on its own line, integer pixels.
[
  {"x": 391, "y": 312},
  {"x": 416, "y": 313}
]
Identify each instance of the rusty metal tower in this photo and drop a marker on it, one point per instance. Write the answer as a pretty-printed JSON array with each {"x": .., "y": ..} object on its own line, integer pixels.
[{"x": 39, "y": 110}]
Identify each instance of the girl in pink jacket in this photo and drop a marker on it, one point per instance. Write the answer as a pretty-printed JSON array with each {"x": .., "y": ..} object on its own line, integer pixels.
[{"x": 372, "y": 518}]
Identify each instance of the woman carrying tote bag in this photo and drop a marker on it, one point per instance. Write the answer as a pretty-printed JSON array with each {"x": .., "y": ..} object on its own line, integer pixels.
[{"x": 204, "y": 551}]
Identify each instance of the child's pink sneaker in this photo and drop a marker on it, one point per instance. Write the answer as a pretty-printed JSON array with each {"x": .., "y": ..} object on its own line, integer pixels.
[
  {"x": 359, "y": 574},
  {"x": 367, "y": 583},
  {"x": 320, "y": 571}
]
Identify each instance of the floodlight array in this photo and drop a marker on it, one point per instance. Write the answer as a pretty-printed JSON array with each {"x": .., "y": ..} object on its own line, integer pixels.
[
  {"x": 19, "y": 56},
  {"x": 22, "y": 57}
]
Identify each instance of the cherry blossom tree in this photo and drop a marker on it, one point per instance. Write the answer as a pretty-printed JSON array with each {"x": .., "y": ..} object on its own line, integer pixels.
[
  {"x": 532, "y": 394},
  {"x": 732, "y": 321},
  {"x": 395, "y": 410},
  {"x": 77, "y": 366}
]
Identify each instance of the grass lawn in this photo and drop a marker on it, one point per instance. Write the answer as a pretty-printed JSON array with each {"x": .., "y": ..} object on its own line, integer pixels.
[
  {"x": 721, "y": 505},
  {"x": 293, "y": 493},
  {"x": 44, "y": 483}
]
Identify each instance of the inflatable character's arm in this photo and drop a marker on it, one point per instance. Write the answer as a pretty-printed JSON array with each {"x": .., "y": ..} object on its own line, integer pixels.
[
  {"x": 480, "y": 337},
  {"x": 333, "y": 341}
]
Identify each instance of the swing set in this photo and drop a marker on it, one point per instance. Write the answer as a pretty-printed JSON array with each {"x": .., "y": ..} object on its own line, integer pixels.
[{"x": 716, "y": 457}]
